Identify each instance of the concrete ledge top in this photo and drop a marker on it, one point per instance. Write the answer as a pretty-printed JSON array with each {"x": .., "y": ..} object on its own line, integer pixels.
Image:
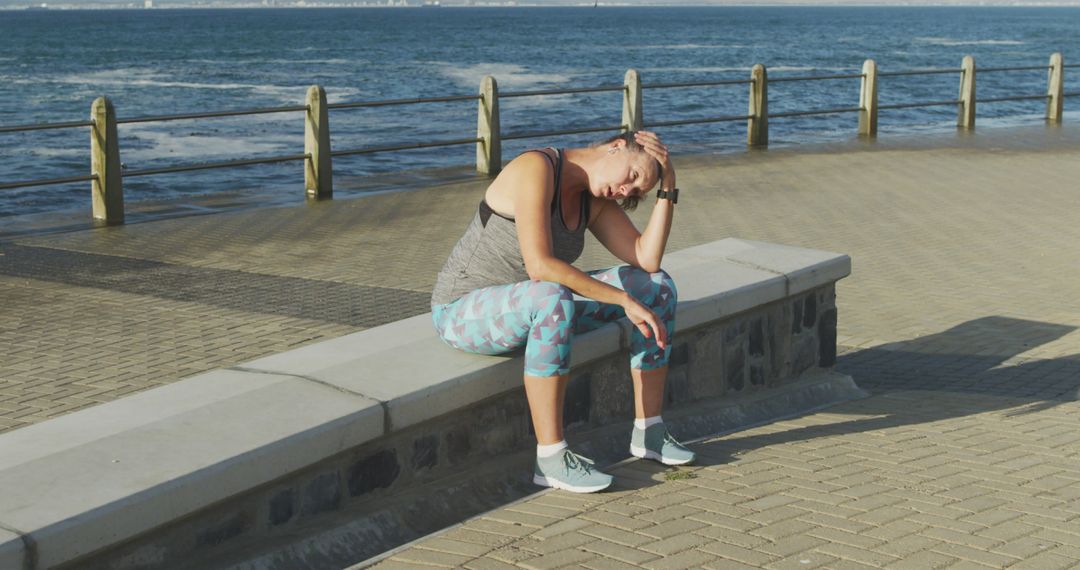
[{"x": 100, "y": 476}]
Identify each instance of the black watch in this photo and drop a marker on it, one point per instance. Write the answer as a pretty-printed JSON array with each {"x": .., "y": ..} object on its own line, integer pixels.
[{"x": 672, "y": 195}]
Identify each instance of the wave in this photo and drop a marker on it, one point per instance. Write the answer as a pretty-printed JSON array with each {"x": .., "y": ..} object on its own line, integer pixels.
[
  {"x": 692, "y": 46},
  {"x": 136, "y": 77},
  {"x": 233, "y": 62},
  {"x": 158, "y": 144},
  {"x": 506, "y": 74},
  {"x": 952, "y": 42}
]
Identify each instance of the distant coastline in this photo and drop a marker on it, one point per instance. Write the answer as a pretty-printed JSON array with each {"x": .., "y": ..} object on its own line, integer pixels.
[{"x": 465, "y": 4}]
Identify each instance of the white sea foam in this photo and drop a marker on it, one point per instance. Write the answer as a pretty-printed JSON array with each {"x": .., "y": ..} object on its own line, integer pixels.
[
  {"x": 279, "y": 61},
  {"x": 58, "y": 152},
  {"x": 508, "y": 75},
  {"x": 198, "y": 146},
  {"x": 342, "y": 94},
  {"x": 692, "y": 46},
  {"x": 950, "y": 42},
  {"x": 141, "y": 77}
]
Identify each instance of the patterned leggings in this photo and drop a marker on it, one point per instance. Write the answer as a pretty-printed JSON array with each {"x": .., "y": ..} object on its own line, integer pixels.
[{"x": 543, "y": 316}]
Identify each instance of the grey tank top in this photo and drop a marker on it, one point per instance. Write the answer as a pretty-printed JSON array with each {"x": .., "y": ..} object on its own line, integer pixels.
[{"x": 489, "y": 253}]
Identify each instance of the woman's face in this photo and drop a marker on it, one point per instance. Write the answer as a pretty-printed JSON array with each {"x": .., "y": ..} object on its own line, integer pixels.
[{"x": 624, "y": 173}]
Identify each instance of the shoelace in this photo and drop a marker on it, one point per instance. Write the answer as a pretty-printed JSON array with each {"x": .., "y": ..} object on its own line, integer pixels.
[
  {"x": 669, "y": 439},
  {"x": 574, "y": 461}
]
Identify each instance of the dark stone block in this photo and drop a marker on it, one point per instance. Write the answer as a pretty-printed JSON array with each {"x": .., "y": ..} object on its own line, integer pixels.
[
  {"x": 680, "y": 354},
  {"x": 757, "y": 337},
  {"x": 281, "y": 507},
  {"x": 757, "y": 376},
  {"x": 732, "y": 331},
  {"x": 805, "y": 355},
  {"x": 810, "y": 311},
  {"x": 376, "y": 471},
  {"x": 677, "y": 387},
  {"x": 458, "y": 444},
  {"x": 735, "y": 368},
  {"x": 796, "y": 316},
  {"x": 219, "y": 533},
  {"x": 322, "y": 494},
  {"x": 578, "y": 400},
  {"x": 425, "y": 452},
  {"x": 827, "y": 339}
]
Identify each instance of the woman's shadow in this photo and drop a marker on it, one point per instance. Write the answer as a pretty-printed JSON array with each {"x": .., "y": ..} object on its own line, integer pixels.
[{"x": 978, "y": 358}]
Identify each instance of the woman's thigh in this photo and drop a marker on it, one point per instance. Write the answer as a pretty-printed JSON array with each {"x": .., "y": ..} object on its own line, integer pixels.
[{"x": 501, "y": 318}]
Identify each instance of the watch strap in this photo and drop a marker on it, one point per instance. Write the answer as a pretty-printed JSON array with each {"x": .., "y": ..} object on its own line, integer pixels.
[{"x": 672, "y": 195}]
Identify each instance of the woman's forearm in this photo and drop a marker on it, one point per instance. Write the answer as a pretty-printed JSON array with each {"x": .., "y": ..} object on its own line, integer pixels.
[
  {"x": 650, "y": 246},
  {"x": 558, "y": 271}
]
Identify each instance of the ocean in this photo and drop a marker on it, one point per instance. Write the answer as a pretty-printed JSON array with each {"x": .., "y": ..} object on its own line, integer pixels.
[{"x": 152, "y": 62}]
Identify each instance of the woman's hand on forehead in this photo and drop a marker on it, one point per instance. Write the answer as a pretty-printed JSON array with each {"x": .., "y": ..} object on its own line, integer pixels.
[{"x": 656, "y": 149}]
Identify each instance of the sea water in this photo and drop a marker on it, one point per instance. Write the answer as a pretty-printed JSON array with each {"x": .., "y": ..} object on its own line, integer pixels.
[{"x": 53, "y": 64}]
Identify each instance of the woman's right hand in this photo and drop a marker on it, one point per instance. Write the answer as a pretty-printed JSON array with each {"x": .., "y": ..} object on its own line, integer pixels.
[
  {"x": 646, "y": 321},
  {"x": 650, "y": 141}
]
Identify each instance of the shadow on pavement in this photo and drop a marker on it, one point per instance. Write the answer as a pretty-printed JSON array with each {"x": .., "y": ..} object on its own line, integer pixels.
[{"x": 970, "y": 359}]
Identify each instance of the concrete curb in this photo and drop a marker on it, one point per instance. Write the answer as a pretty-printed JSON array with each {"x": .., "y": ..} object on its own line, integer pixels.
[
  {"x": 93, "y": 479},
  {"x": 816, "y": 391}
]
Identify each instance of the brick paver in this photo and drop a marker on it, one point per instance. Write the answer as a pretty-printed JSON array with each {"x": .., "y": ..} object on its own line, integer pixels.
[{"x": 960, "y": 317}]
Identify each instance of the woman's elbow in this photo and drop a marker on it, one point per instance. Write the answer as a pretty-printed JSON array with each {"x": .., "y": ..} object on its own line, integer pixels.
[{"x": 537, "y": 270}]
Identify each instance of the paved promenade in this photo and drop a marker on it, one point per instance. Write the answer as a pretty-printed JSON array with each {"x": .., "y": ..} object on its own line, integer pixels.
[{"x": 960, "y": 316}]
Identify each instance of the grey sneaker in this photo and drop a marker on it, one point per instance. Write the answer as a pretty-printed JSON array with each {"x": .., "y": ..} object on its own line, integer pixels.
[
  {"x": 655, "y": 442},
  {"x": 570, "y": 471}
]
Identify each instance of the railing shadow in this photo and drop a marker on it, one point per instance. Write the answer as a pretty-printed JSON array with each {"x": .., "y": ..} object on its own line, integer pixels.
[{"x": 975, "y": 358}]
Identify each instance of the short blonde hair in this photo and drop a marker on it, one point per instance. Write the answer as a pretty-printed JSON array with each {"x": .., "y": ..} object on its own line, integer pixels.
[{"x": 630, "y": 203}]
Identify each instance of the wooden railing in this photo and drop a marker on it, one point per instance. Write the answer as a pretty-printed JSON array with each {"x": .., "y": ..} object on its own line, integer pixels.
[{"x": 106, "y": 175}]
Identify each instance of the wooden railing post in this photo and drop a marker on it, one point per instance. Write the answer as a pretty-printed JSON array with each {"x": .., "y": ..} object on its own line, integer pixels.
[
  {"x": 966, "y": 118},
  {"x": 632, "y": 119},
  {"x": 489, "y": 149},
  {"x": 868, "y": 100},
  {"x": 107, "y": 190},
  {"x": 757, "y": 126},
  {"x": 318, "y": 170},
  {"x": 1055, "y": 89}
]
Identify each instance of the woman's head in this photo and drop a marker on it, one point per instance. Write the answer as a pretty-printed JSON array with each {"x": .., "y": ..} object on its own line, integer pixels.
[{"x": 625, "y": 171}]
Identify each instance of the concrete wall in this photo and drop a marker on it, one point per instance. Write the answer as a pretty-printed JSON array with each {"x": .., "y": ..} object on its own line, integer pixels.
[{"x": 751, "y": 367}]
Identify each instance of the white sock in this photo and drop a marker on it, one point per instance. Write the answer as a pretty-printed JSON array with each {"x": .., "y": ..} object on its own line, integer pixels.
[
  {"x": 642, "y": 423},
  {"x": 549, "y": 450}
]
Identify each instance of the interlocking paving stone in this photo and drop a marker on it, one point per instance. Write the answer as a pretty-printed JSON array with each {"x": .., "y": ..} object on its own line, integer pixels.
[{"x": 960, "y": 317}]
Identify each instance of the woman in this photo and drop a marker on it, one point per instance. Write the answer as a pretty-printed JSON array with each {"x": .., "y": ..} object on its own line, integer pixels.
[{"x": 509, "y": 283}]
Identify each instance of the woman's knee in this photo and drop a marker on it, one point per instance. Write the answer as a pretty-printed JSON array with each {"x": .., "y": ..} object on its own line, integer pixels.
[
  {"x": 656, "y": 288},
  {"x": 551, "y": 298},
  {"x": 666, "y": 282}
]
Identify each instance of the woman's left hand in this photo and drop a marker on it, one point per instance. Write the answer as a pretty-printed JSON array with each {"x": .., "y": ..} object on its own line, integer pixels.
[{"x": 652, "y": 144}]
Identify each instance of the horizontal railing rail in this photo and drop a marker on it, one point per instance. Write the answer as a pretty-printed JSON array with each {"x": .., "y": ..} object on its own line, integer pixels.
[
  {"x": 47, "y": 181},
  {"x": 696, "y": 84},
  {"x": 815, "y": 112},
  {"x": 213, "y": 165},
  {"x": 599, "y": 89},
  {"x": 921, "y": 104},
  {"x": 817, "y": 77},
  {"x": 582, "y": 130},
  {"x": 210, "y": 114},
  {"x": 1020, "y": 68},
  {"x": 107, "y": 171},
  {"x": 46, "y": 126},
  {"x": 918, "y": 72},
  {"x": 414, "y": 101},
  {"x": 653, "y": 124},
  {"x": 408, "y": 146}
]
